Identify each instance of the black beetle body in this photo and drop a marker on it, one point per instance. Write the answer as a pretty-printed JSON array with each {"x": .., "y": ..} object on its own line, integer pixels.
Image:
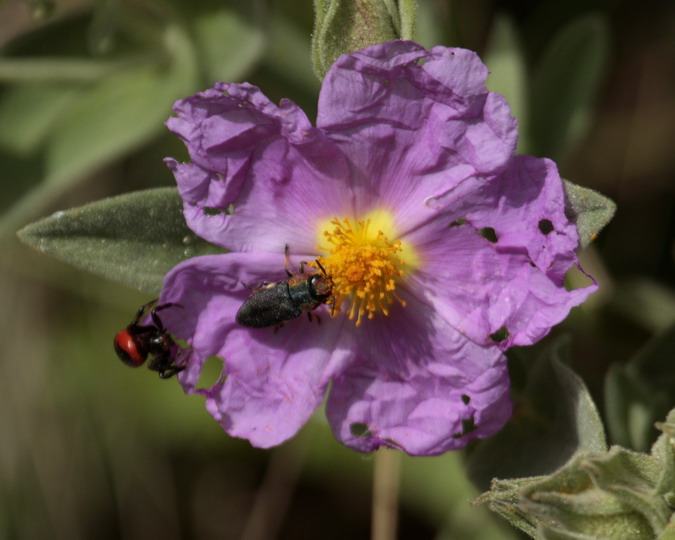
[{"x": 271, "y": 304}]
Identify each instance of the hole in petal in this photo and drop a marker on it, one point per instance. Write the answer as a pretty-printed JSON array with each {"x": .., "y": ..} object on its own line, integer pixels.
[
  {"x": 230, "y": 209},
  {"x": 468, "y": 425},
  {"x": 392, "y": 443},
  {"x": 489, "y": 234},
  {"x": 465, "y": 399},
  {"x": 359, "y": 429},
  {"x": 458, "y": 222},
  {"x": 212, "y": 371},
  {"x": 211, "y": 211},
  {"x": 545, "y": 226},
  {"x": 182, "y": 344},
  {"x": 500, "y": 335}
]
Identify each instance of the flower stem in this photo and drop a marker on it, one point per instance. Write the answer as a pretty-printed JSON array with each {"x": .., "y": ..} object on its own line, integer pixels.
[{"x": 385, "y": 494}]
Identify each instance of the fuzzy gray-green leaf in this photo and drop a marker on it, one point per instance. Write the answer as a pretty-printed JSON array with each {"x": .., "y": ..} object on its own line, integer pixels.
[
  {"x": 664, "y": 452},
  {"x": 590, "y": 210},
  {"x": 344, "y": 26},
  {"x": 616, "y": 494},
  {"x": 134, "y": 238},
  {"x": 557, "y": 419},
  {"x": 595, "y": 495},
  {"x": 408, "y": 17}
]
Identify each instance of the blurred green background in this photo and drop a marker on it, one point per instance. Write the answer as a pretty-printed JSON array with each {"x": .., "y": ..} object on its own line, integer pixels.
[{"x": 91, "y": 449}]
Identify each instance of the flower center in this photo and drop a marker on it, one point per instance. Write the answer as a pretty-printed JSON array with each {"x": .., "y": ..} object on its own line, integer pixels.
[{"x": 364, "y": 264}]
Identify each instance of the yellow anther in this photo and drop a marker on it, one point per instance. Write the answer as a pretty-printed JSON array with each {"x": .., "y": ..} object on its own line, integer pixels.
[{"x": 364, "y": 264}]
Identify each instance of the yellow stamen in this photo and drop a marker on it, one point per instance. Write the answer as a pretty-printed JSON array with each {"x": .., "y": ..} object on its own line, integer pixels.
[{"x": 364, "y": 264}]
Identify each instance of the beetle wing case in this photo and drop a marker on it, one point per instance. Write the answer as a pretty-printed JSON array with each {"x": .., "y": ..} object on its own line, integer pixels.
[{"x": 268, "y": 306}]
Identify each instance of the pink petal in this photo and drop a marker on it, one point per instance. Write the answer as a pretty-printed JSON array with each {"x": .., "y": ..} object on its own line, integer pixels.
[
  {"x": 279, "y": 173},
  {"x": 418, "y": 385},
  {"x": 274, "y": 379}
]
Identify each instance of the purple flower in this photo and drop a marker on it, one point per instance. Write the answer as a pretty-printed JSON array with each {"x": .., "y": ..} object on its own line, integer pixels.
[{"x": 444, "y": 249}]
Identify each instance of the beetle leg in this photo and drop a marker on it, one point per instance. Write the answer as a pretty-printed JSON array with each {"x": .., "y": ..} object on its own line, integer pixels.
[
  {"x": 164, "y": 365},
  {"x": 311, "y": 316},
  {"x": 155, "y": 318},
  {"x": 263, "y": 285},
  {"x": 170, "y": 372},
  {"x": 169, "y": 304},
  {"x": 142, "y": 310}
]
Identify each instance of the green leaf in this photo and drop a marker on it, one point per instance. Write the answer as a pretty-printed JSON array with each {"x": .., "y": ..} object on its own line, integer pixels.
[
  {"x": 590, "y": 210},
  {"x": 645, "y": 302},
  {"x": 118, "y": 114},
  {"x": 63, "y": 69},
  {"x": 604, "y": 495},
  {"x": 41, "y": 10},
  {"x": 104, "y": 26},
  {"x": 565, "y": 86},
  {"x": 228, "y": 44},
  {"x": 617, "y": 494},
  {"x": 627, "y": 408},
  {"x": 344, "y": 26},
  {"x": 29, "y": 111},
  {"x": 640, "y": 392},
  {"x": 554, "y": 419},
  {"x": 434, "y": 25},
  {"x": 664, "y": 452},
  {"x": 668, "y": 533},
  {"x": 121, "y": 112},
  {"x": 504, "y": 498},
  {"x": 112, "y": 117},
  {"x": 407, "y": 15},
  {"x": 287, "y": 43},
  {"x": 134, "y": 238},
  {"x": 505, "y": 61}
]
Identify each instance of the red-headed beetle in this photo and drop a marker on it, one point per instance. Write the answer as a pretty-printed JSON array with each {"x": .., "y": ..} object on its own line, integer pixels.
[{"x": 137, "y": 341}]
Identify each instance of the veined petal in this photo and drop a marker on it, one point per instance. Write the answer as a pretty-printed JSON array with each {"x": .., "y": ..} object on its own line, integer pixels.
[
  {"x": 441, "y": 247},
  {"x": 418, "y": 385},
  {"x": 496, "y": 254},
  {"x": 525, "y": 207},
  {"x": 251, "y": 154},
  {"x": 272, "y": 380},
  {"x": 409, "y": 132}
]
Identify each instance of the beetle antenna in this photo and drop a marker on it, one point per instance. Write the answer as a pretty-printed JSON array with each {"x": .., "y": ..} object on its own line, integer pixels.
[{"x": 321, "y": 266}]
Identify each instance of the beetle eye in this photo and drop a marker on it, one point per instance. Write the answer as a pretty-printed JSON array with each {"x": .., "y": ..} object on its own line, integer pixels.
[
  {"x": 319, "y": 286},
  {"x": 315, "y": 281}
]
